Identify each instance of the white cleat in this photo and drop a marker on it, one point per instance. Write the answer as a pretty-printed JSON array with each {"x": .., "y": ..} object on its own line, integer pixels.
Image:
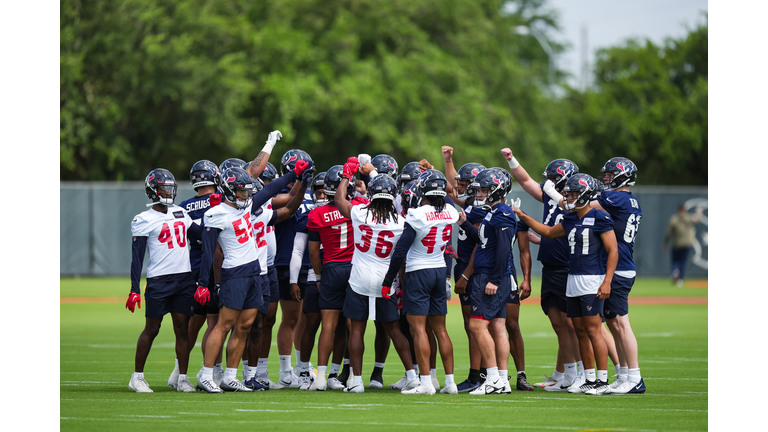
[
  {"x": 333, "y": 383},
  {"x": 547, "y": 382},
  {"x": 577, "y": 383},
  {"x": 288, "y": 379},
  {"x": 400, "y": 384},
  {"x": 356, "y": 388},
  {"x": 435, "y": 383},
  {"x": 561, "y": 385},
  {"x": 450, "y": 389},
  {"x": 412, "y": 384},
  {"x": 319, "y": 384},
  {"x": 305, "y": 380},
  {"x": 234, "y": 386},
  {"x": 507, "y": 388},
  {"x": 139, "y": 385},
  {"x": 208, "y": 386},
  {"x": 375, "y": 385},
  {"x": 183, "y": 385},
  {"x": 174, "y": 378},
  {"x": 491, "y": 387},
  {"x": 599, "y": 388},
  {"x": 420, "y": 390},
  {"x": 350, "y": 381},
  {"x": 272, "y": 385},
  {"x": 218, "y": 375}
]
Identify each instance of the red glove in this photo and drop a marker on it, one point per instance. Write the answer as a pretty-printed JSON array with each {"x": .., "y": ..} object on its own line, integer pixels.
[
  {"x": 385, "y": 292},
  {"x": 350, "y": 168},
  {"x": 399, "y": 296},
  {"x": 451, "y": 252},
  {"x": 133, "y": 299},
  {"x": 202, "y": 295},
  {"x": 301, "y": 165},
  {"x": 214, "y": 199}
]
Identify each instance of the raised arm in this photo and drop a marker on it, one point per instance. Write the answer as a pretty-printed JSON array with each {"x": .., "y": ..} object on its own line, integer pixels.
[
  {"x": 340, "y": 199},
  {"x": 256, "y": 167},
  {"x": 521, "y": 176}
]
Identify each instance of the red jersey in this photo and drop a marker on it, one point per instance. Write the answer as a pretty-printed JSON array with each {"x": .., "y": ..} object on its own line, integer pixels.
[{"x": 336, "y": 233}]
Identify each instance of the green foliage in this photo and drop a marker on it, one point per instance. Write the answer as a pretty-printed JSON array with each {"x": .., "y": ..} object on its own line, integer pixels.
[{"x": 147, "y": 84}]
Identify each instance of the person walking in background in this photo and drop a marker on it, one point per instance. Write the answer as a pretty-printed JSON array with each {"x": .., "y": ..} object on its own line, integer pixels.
[{"x": 681, "y": 230}]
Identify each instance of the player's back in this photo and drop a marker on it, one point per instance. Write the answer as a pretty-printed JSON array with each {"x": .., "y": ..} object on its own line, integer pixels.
[
  {"x": 335, "y": 233},
  {"x": 553, "y": 251},
  {"x": 433, "y": 232},
  {"x": 167, "y": 241},
  {"x": 624, "y": 209},
  {"x": 196, "y": 208},
  {"x": 501, "y": 216},
  {"x": 374, "y": 243}
]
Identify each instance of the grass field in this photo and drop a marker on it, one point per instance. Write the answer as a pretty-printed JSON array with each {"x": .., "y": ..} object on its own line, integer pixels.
[{"x": 98, "y": 342}]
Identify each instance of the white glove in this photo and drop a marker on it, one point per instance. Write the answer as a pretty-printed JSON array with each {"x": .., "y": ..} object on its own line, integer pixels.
[
  {"x": 514, "y": 204},
  {"x": 448, "y": 289},
  {"x": 549, "y": 189},
  {"x": 272, "y": 139},
  {"x": 363, "y": 158}
]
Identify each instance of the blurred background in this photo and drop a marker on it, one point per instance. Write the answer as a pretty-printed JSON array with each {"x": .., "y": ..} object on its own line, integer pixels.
[{"x": 147, "y": 84}]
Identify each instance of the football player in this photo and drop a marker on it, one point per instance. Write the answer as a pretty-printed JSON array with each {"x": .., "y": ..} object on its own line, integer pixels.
[
  {"x": 240, "y": 294},
  {"x": 428, "y": 229},
  {"x": 166, "y": 230},
  {"x": 553, "y": 255},
  {"x": 377, "y": 229},
  {"x": 590, "y": 238}
]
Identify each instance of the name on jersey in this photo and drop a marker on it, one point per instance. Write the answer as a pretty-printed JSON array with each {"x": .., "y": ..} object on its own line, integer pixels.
[
  {"x": 488, "y": 216},
  {"x": 178, "y": 214},
  {"x": 198, "y": 205},
  {"x": 589, "y": 221},
  {"x": 332, "y": 216},
  {"x": 443, "y": 215}
]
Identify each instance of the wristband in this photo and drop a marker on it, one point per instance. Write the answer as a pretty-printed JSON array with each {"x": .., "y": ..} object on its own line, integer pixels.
[
  {"x": 465, "y": 278},
  {"x": 513, "y": 163},
  {"x": 268, "y": 147},
  {"x": 317, "y": 277}
]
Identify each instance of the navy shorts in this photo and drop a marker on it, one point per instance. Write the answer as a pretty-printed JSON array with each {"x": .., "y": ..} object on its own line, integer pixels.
[
  {"x": 457, "y": 271},
  {"x": 586, "y": 305},
  {"x": 333, "y": 284},
  {"x": 554, "y": 280},
  {"x": 264, "y": 308},
  {"x": 424, "y": 292},
  {"x": 242, "y": 293},
  {"x": 171, "y": 293},
  {"x": 514, "y": 296},
  {"x": 356, "y": 307},
  {"x": 274, "y": 285},
  {"x": 486, "y": 306},
  {"x": 284, "y": 282},
  {"x": 310, "y": 294},
  {"x": 618, "y": 302},
  {"x": 212, "y": 307}
]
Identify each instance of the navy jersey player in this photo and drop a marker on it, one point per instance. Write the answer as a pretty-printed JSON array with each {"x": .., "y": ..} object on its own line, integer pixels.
[
  {"x": 590, "y": 238},
  {"x": 166, "y": 231},
  {"x": 553, "y": 255}
]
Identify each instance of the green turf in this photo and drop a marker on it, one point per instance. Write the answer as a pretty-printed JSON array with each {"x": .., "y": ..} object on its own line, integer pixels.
[
  {"x": 98, "y": 346},
  {"x": 119, "y": 287}
]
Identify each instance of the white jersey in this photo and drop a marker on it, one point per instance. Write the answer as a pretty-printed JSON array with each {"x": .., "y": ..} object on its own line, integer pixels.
[
  {"x": 433, "y": 233},
  {"x": 167, "y": 241},
  {"x": 261, "y": 222},
  {"x": 399, "y": 204},
  {"x": 270, "y": 238},
  {"x": 236, "y": 236},
  {"x": 374, "y": 243}
]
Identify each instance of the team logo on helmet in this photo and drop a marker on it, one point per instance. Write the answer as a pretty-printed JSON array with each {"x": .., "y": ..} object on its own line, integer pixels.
[
  {"x": 151, "y": 177},
  {"x": 231, "y": 179},
  {"x": 624, "y": 169},
  {"x": 497, "y": 181},
  {"x": 585, "y": 184},
  {"x": 475, "y": 171},
  {"x": 291, "y": 159},
  {"x": 391, "y": 165},
  {"x": 561, "y": 172}
]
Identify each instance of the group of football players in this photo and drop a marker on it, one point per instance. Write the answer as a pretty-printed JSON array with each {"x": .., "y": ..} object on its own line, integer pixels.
[{"x": 366, "y": 241}]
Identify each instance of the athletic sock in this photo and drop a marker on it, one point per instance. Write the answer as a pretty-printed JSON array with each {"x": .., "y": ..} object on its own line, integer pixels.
[
  {"x": 261, "y": 367},
  {"x": 520, "y": 372},
  {"x": 285, "y": 363},
  {"x": 302, "y": 367},
  {"x": 230, "y": 374},
  {"x": 433, "y": 373},
  {"x": 557, "y": 376},
  {"x": 298, "y": 357},
  {"x": 448, "y": 379},
  {"x": 618, "y": 369},
  {"x": 378, "y": 370},
  {"x": 492, "y": 374},
  {"x": 248, "y": 372},
  {"x": 182, "y": 377},
  {"x": 245, "y": 363},
  {"x": 207, "y": 374},
  {"x": 504, "y": 374},
  {"x": 571, "y": 369},
  {"x": 410, "y": 374},
  {"x": 176, "y": 365},
  {"x": 483, "y": 371},
  {"x": 634, "y": 375},
  {"x": 321, "y": 371},
  {"x": 138, "y": 375},
  {"x": 357, "y": 380},
  {"x": 581, "y": 366},
  {"x": 426, "y": 380},
  {"x": 624, "y": 373},
  {"x": 334, "y": 369},
  {"x": 474, "y": 376},
  {"x": 602, "y": 375},
  {"x": 416, "y": 368},
  {"x": 590, "y": 374}
]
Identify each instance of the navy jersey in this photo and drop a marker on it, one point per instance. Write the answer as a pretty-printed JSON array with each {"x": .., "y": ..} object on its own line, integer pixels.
[
  {"x": 624, "y": 209},
  {"x": 552, "y": 251},
  {"x": 500, "y": 217},
  {"x": 285, "y": 231},
  {"x": 586, "y": 247},
  {"x": 301, "y": 226},
  {"x": 465, "y": 245},
  {"x": 196, "y": 207}
]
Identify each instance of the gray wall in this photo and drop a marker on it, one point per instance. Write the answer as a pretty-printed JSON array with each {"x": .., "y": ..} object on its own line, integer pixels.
[{"x": 95, "y": 223}]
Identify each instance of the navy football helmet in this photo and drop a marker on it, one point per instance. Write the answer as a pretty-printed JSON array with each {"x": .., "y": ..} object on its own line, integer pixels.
[
  {"x": 231, "y": 163},
  {"x": 623, "y": 170},
  {"x": 269, "y": 173},
  {"x": 333, "y": 179},
  {"x": 411, "y": 171},
  {"x": 385, "y": 164},
  {"x": 318, "y": 183},
  {"x": 496, "y": 180},
  {"x": 159, "y": 181},
  {"x": 468, "y": 172},
  {"x": 432, "y": 183},
  {"x": 382, "y": 186},
  {"x": 409, "y": 195},
  {"x": 234, "y": 180},
  {"x": 559, "y": 171},
  {"x": 204, "y": 173},
  {"x": 585, "y": 185},
  {"x": 289, "y": 159}
]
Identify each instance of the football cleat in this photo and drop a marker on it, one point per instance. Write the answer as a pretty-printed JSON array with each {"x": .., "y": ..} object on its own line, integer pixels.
[
  {"x": 450, "y": 389},
  {"x": 174, "y": 378},
  {"x": 419, "y": 390},
  {"x": 507, "y": 388},
  {"x": 268, "y": 382},
  {"x": 373, "y": 384},
  {"x": 139, "y": 385},
  {"x": 256, "y": 385},
  {"x": 522, "y": 383},
  {"x": 412, "y": 384},
  {"x": 350, "y": 381},
  {"x": 234, "y": 386},
  {"x": 305, "y": 380},
  {"x": 561, "y": 385},
  {"x": 585, "y": 387},
  {"x": 399, "y": 385},
  {"x": 319, "y": 384},
  {"x": 356, "y": 388},
  {"x": 467, "y": 386},
  {"x": 577, "y": 383},
  {"x": 491, "y": 387},
  {"x": 598, "y": 388},
  {"x": 547, "y": 382},
  {"x": 614, "y": 385},
  {"x": 333, "y": 383},
  {"x": 288, "y": 379},
  {"x": 435, "y": 383},
  {"x": 209, "y": 386},
  {"x": 628, "y": 387},
  {"x": 218, "y": 375},
  {"x": 184, "y": 386}
]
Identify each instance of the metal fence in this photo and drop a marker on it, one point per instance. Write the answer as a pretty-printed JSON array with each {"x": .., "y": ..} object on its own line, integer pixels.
[{"x": 95, "y": 222}]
